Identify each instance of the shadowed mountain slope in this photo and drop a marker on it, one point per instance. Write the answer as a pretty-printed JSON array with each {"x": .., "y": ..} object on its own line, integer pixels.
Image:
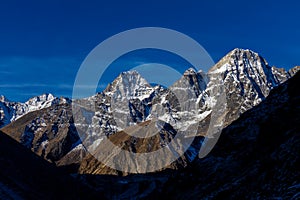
[
  {"x": 256, "y": 157},
  {"x": 24, "y": 175}
]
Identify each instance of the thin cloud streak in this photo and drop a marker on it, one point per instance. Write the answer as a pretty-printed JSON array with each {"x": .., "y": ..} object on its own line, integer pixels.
[{"x": 50, "y": 86}]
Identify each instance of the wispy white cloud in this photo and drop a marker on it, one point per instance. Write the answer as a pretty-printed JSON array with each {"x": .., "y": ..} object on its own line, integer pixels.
[
  {"x": 53, "y": 86},
  {"x": 22, "y": 85},
  {"x": 70, "y": 86},
  {"x": 5, "y": 72}
]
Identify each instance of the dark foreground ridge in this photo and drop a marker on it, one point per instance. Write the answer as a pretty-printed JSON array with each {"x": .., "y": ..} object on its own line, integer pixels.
[{"x": 24, "y": 175}]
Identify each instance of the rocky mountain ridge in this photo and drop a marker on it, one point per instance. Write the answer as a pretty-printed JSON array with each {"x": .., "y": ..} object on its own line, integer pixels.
[
  {"x": 11, "y": 111},
  {"x": 258, "y": 152},
  {"x": 187, "y": 106},
  {"x": 256, "y": 157}
]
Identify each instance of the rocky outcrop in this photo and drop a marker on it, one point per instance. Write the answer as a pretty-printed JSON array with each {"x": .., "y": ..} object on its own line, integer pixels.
[{"x": 11, "y": 111}]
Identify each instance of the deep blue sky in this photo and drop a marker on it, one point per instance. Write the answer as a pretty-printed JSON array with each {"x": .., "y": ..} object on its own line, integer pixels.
[{"x": 42, "y": 43}]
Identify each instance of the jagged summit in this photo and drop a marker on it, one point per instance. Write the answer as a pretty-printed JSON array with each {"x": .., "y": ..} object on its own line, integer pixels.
[
  {"x": 189, "y": 71},
  {"x": 128, "y": 84},
  {"x": 293, "y": 70},
  {"x": 11, "y": 111},
  {"x": 130, "y": 73},
  {"x": 241, "y": 63},
  {"x": 127, "y": 76},
  {"x": 241, "y": 50},
  {"x": 238, "y": 58},
  {"x": 248, "y": 79},
  {"x": 41, "y": 99},
  {"x": 192, "y": 81},
  {"x": 3, "y": 98}
]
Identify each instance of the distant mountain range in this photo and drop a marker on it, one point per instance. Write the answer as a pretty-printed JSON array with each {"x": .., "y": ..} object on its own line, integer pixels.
[
  {"x": 11, "y": 111},
  {"x": 258, "y": 127}
]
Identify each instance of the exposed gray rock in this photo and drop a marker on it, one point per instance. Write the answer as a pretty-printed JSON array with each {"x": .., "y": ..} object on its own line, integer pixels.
[{"x": 198, "y": 104}]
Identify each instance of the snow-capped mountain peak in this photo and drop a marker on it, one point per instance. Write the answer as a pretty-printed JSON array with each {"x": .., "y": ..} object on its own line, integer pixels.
[
  {"x": 190, "y": 71},
  {"x": 248, "y": 79},
  {"x": 41, "y": 101},
  {"x": 191, "y": 80},
  {"x": 11, "y": 111},
  {"x": 293, "y": 71},
  {"x": 3, "y": 98},
  {"x": 129, "y": 84}
]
